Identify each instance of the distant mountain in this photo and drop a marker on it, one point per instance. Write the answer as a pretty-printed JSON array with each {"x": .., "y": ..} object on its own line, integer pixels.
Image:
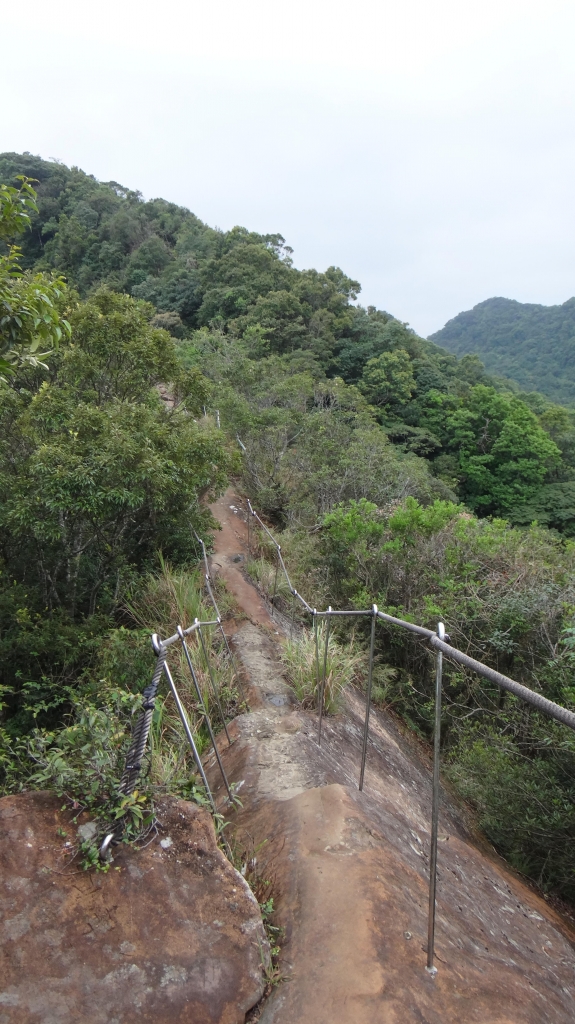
[{"x": 533, "y": 345}]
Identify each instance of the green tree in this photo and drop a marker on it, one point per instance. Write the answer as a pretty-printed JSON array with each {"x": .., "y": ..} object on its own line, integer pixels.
[
  {"x": 528, "y": 343},
  {"x": 97, "y": 473},
  {"x": 388, "y": 379},
  {"x": 502, "y": 452},
  {"x": 30, "y": 318}
]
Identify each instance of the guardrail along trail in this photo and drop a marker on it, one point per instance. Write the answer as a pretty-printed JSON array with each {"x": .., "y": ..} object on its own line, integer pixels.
[{"x": 392, "y": 910}]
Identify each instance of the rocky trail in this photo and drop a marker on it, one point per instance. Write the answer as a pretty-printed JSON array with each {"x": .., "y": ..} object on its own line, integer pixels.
[
  {"x": 173, "y": 932},
  {"x": 350, "y": 870}
]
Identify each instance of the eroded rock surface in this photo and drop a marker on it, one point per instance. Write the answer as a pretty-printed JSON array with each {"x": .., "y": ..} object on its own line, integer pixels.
[
  {"x": 350, "y": 872},
  {"x": 230, "y": 554},
  {"x": 353, "y": 902},
  {"x": 171, "y": 933}
]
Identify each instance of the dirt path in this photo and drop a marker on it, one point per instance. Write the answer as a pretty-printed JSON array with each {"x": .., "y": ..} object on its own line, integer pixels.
[
  {"x": 230, "y": 554},
  {"x": 351, "y": 869}
]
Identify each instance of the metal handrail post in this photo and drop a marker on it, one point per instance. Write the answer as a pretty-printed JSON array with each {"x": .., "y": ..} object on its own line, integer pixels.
[
  {"x": 248, "y": 518},
  {"x": 205, "y": 711},
  {"x": 322, "y": 688},
  {"x": 227, "y": 646},
  {"x": 435, "y": 806},
  {"x": 214, "y": 687},
  {"x": 217, "y": 611},
  {"x": 189, "y": 734},
  {"x": 233, "y": 662},
  {"x": 231, "y": 657},
  {"x": 234, "y": 666},
  {"x": 368, "y": 696},
  {"x": 315, "y": 634},
  {"x": 276, "y": 579}
]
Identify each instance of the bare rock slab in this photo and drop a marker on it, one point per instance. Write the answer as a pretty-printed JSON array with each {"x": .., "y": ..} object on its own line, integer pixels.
[
  {"x": 171, "y": 933},
  {"x": 350, "y": 880},
  {"x": 353, "y": 903}
]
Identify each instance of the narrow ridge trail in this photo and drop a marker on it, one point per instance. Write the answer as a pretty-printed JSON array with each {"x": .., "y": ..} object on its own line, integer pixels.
[{"x": 350, "y": 870}]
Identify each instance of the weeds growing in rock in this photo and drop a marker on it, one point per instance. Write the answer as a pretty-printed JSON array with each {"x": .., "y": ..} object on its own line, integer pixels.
[
  {"x": 306, "y": 662},
  {"x": 263, "y": 883}
]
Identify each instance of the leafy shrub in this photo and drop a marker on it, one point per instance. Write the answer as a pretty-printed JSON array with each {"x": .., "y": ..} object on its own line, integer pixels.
[
  {"x": 83, "y": 759},
  {"x": 96, "y": 475},
  {"x": 525, "y": 802}
]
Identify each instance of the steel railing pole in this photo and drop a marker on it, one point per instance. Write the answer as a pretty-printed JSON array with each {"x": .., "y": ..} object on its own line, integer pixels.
[
  {"x": 248, "y": 518},
  {"x": 316, "y": 639},
  {"x": 435, "y": 806},
  {"x": 276, "y": 579},
  {"x": 322, "y": 687},
  {"x": 368, "y": 696},
  {"x": 232, "y": 661},
  {"x": 204, "y": 711},
  {"x": 213, "y": 682},
  {"x": 216, "y": 609},
  {"x": 189, "y": 735}
]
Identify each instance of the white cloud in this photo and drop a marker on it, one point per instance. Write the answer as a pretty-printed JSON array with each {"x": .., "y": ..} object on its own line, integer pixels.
[{"x": 425, "y": 146}]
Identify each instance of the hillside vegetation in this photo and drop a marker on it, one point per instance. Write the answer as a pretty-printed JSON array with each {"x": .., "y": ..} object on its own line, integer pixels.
[
  {"x": 237, "y": 290},
  {"x": 395, "y": 471},
  {"x": 530, "y": 344}
]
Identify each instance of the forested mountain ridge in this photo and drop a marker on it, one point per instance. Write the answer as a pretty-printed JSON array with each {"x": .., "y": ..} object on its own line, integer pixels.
[
  {"x": 531, "y": 344},
  {"x": 241, "y": 290},
  {"x": 394, "y": 470},
  {"x": 102, "y": 234}
]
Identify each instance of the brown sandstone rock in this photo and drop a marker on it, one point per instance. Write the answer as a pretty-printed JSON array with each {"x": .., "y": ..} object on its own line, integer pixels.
[
  {"x": 169, "y": 934},
  {"x": 350, "y": 870},
  {"x": 354, "y": 907},
  {"x": 350, "y": 881}
]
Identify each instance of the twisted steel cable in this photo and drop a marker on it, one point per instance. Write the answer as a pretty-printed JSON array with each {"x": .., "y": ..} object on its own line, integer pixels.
[{"x": 141, "y": 729}]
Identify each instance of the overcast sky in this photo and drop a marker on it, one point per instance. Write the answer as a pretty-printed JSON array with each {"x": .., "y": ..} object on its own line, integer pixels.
[{"x": 425, "y": 146}]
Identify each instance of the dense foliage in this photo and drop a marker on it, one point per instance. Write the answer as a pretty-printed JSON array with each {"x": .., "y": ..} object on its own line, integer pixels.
[
  {"x": 531, "y": 344},
  {"x": 83, "y": 759},
  {"x": 398, "y": 473},
  {"x": 229, "y": 292},
  {"x": 97, "y": 474},
  {"x": 29, "y": 303}
]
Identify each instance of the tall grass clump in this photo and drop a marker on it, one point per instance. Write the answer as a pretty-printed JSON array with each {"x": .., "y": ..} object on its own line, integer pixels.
[
  {"x": 264, "y": 573},
  {"x": 169, "y": 598},
  {"x": 342, "y": 665}
]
